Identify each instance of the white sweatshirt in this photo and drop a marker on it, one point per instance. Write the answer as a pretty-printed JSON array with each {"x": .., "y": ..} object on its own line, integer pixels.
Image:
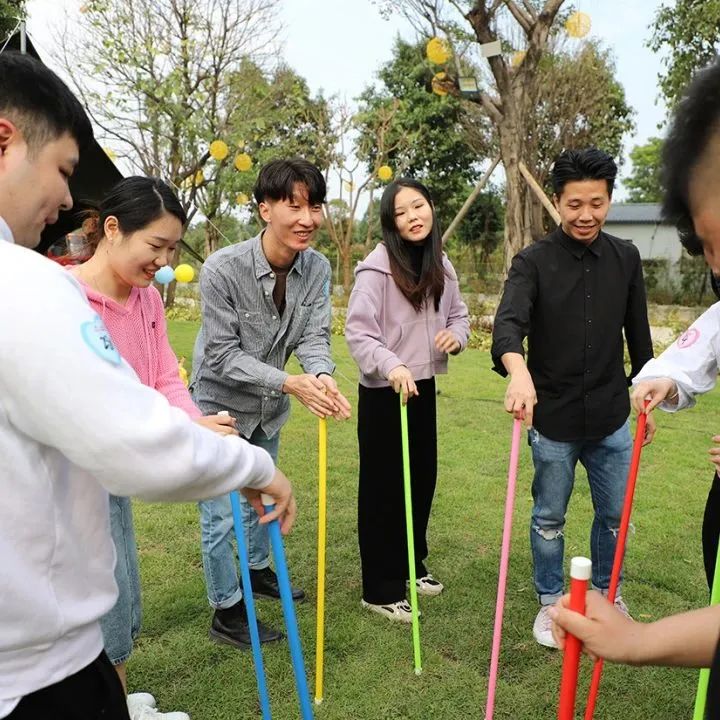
[
  {"x": 75, "y": 424},
  {"x": 691, "y": 361}
]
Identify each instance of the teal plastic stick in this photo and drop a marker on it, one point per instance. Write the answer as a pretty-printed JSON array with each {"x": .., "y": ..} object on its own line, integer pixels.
[
  {"x": 410, "y": 536},
  {"x": 704, "y": 680}
]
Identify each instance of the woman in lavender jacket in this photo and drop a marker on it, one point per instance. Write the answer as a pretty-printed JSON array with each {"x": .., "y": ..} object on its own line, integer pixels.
[{"x": 404, "y": 317}]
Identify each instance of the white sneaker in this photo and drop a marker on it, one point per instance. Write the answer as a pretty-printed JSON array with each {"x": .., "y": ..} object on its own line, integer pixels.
[
  {"x": 136, "y": 701},
  {"x": 427, "y": 585},
  {"x": 399, "y": 611},
  {"x": 542, "y": 627},
  {"x": 146, "y": 712}
]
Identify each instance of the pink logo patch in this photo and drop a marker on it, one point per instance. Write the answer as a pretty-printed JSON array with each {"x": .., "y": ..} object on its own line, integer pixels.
[{"x": 688, "y": 338}]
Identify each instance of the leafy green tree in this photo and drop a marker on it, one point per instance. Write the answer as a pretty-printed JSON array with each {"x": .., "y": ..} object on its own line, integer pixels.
[
  {"x": 686, "y": 33},
  {"x": 10, "y": 12},
  {"x": 644, "y": 183},
  {"x": 437, "y": 148}
]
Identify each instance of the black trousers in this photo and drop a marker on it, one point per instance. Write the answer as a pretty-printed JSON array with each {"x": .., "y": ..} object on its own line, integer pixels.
[
  {"x": 711, "y": 529},
  {"x": 381, "y": 502},
  {"x": 93, "y": 693}
]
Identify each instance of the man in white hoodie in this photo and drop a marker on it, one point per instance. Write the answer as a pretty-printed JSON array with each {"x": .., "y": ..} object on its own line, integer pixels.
[{"x": 75, "y": 424}]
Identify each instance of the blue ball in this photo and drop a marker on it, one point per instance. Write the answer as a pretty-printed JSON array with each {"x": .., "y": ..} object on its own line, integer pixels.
[{"x": 165, "y": 275}]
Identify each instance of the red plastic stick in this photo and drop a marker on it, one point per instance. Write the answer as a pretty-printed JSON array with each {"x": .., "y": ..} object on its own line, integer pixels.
[
  {"x": 504, "y": 561},
  {"x": 580, "y": 573},
  {"x": 619, "y": 551}
]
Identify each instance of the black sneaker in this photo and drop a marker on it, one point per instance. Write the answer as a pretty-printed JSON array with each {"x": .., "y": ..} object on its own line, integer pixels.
[
  {"x": 265, "y": 585},
  {"x": 230, "y": 626}
]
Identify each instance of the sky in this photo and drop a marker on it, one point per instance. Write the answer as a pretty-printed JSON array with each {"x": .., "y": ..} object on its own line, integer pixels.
[{"x": 338, "y": 46}]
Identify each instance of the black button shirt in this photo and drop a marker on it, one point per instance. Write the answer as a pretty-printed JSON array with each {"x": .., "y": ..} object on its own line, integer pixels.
[{"x": 572, "y": 302}]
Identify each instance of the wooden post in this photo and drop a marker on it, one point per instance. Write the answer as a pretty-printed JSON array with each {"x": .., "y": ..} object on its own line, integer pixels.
[
  {"x": 463, "y": 211},
  {"x": 541, "y": 196}
]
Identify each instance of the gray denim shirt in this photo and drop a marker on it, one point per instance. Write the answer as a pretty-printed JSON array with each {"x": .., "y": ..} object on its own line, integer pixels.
[{"x": 244, "y": 343}]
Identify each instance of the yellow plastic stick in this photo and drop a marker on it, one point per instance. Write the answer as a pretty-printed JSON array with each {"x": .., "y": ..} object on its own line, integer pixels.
[{"x": 322, "y": 516}]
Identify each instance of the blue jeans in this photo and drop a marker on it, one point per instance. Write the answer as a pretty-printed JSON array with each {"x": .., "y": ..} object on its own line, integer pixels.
[
  {"x": 607, "y": 462},
  {"x": 217, "y": 532},
  {"x": 121, "y": 625}
]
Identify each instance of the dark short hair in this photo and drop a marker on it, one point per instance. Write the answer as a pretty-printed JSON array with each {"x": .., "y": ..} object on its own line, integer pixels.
[
  {"x": 136, "y": 202},
  {"x": 431, "y": 282},
  {"x": 696, "y": 120},
  {"x": 276, "y": 181},
  {"x": 42, "y": 106},
  {"x": 587, "y": 164}
]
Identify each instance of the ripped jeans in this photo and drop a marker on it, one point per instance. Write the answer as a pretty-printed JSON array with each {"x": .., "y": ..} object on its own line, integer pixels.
[{"x": 607, "y": 462}]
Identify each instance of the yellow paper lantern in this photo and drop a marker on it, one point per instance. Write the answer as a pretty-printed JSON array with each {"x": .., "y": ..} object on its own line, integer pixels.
[
  {"x": 385, "y": 173},
  {"x": 110, "y": 153},
  {"x": 439, "y": 83},
  {"x": 187, "y": 183},
  {"x": 184, "y": 273},
  {"x": 219, "y": 150},
  {"x": 348, "y": 185},
  {"x": 243, "y": 162},
  {"x": 199, "y": 178},
  {"x": 437, "y": 51},
  {"x": 517, "y": 58},
  {"x": 578, "y": 25},
  {"x": 242, "y": 199}
]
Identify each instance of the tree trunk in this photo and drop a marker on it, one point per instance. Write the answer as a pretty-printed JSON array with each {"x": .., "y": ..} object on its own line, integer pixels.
[
  {"x": 212, "y": 239},
  {"x": 517, "y": 222},
  {"x": 170, "y": 289},
  {"x": 347, "y": 269}
]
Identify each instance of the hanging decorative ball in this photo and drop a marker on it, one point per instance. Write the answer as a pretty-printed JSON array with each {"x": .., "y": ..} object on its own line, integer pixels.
[
  {"x": 348, "y": 185},
  {"x": 243, "y": 162},
  {"x": 165, "y": 275},
  {"x": 385, "y": 173},
  {"x": 219, "y": 150},
  {"x": 199, "y": 178},
  {"x": 578, "y": 25},
  {"x": 242, "y": 199},
  {"x": 438, "y": 83},
  {"x": 437, "y": 51},
  {"x": 517, "y": 58},
  {"x": 184, "y": 273}
]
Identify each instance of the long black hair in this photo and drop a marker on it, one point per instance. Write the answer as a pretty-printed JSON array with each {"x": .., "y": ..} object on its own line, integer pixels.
[
  {"x": 136, "y": 202},
  {"x": 695, "y": 122},
  {"x": 431, "y": 282}
]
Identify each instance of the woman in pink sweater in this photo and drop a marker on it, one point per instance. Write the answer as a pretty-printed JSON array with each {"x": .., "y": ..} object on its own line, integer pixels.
[{"x": 135, "y": 233}]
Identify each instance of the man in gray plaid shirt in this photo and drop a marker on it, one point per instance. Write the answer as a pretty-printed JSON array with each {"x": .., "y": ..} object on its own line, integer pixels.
[{"x": 262, "y": 300}]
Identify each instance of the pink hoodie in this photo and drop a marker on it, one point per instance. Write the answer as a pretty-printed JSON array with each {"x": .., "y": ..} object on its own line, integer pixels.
[
  {"x": 139, "y": 332},
  {"x": 383, "y": 330}
]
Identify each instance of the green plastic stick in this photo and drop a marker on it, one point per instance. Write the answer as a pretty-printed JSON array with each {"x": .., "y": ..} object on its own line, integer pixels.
[
  {"x": 704, "y": 681},
  {"x": 410, "y": 536}
]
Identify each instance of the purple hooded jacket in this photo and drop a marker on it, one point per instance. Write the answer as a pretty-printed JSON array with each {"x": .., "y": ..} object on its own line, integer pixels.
[{"x": 383, "y": 330}]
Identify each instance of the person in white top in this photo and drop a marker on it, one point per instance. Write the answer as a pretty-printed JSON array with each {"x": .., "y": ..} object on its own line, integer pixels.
[{"x": 75, "y": 425}]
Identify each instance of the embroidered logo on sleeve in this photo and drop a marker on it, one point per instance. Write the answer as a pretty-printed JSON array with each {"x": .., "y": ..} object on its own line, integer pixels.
[
  {"x": 97, "y": 338},
  {"x": 688, "y": 338}
]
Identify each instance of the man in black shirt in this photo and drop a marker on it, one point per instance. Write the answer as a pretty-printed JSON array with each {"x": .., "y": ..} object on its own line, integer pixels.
[{"x": 571, "y": 295}]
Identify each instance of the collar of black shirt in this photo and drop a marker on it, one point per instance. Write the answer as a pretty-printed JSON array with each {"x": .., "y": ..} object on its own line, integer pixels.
[{"x": 577, "y": 248}]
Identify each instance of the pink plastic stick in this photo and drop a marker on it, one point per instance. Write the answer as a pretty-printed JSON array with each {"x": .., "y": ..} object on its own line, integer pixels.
[{"x": 504, "y": 561}]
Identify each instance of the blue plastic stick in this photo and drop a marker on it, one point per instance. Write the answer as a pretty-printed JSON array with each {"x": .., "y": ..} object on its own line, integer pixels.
[
  {"x": 250, "y": 606},
  {"x": 288, "y": 607}
]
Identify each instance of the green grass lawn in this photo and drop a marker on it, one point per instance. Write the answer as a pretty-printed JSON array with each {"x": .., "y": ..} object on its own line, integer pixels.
[{"x": 368, "y": 660}]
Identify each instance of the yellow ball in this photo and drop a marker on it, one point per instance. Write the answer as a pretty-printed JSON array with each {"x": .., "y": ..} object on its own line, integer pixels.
[
  {"x": 199, "y": 177},
  {"x": 437, "y": 51},
  {"x": 438, "y": 83},
  {"x": 517, "y": 58},
  {"x": 242, "y": 199},
  {"x": 578, "y": 25},
  {"x": 219, "y": 150},
  {"x": 184, "y": 273},
  {"x": 385, "y": 173},
  {"x": 243, "y": 162}
]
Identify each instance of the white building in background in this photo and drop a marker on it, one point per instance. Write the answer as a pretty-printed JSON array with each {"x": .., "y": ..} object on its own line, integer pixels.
[{"x": 642, "y": 224}]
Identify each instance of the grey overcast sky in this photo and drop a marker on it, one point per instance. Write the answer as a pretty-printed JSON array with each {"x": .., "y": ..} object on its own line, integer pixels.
[{"x": 338, "y": 45}]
